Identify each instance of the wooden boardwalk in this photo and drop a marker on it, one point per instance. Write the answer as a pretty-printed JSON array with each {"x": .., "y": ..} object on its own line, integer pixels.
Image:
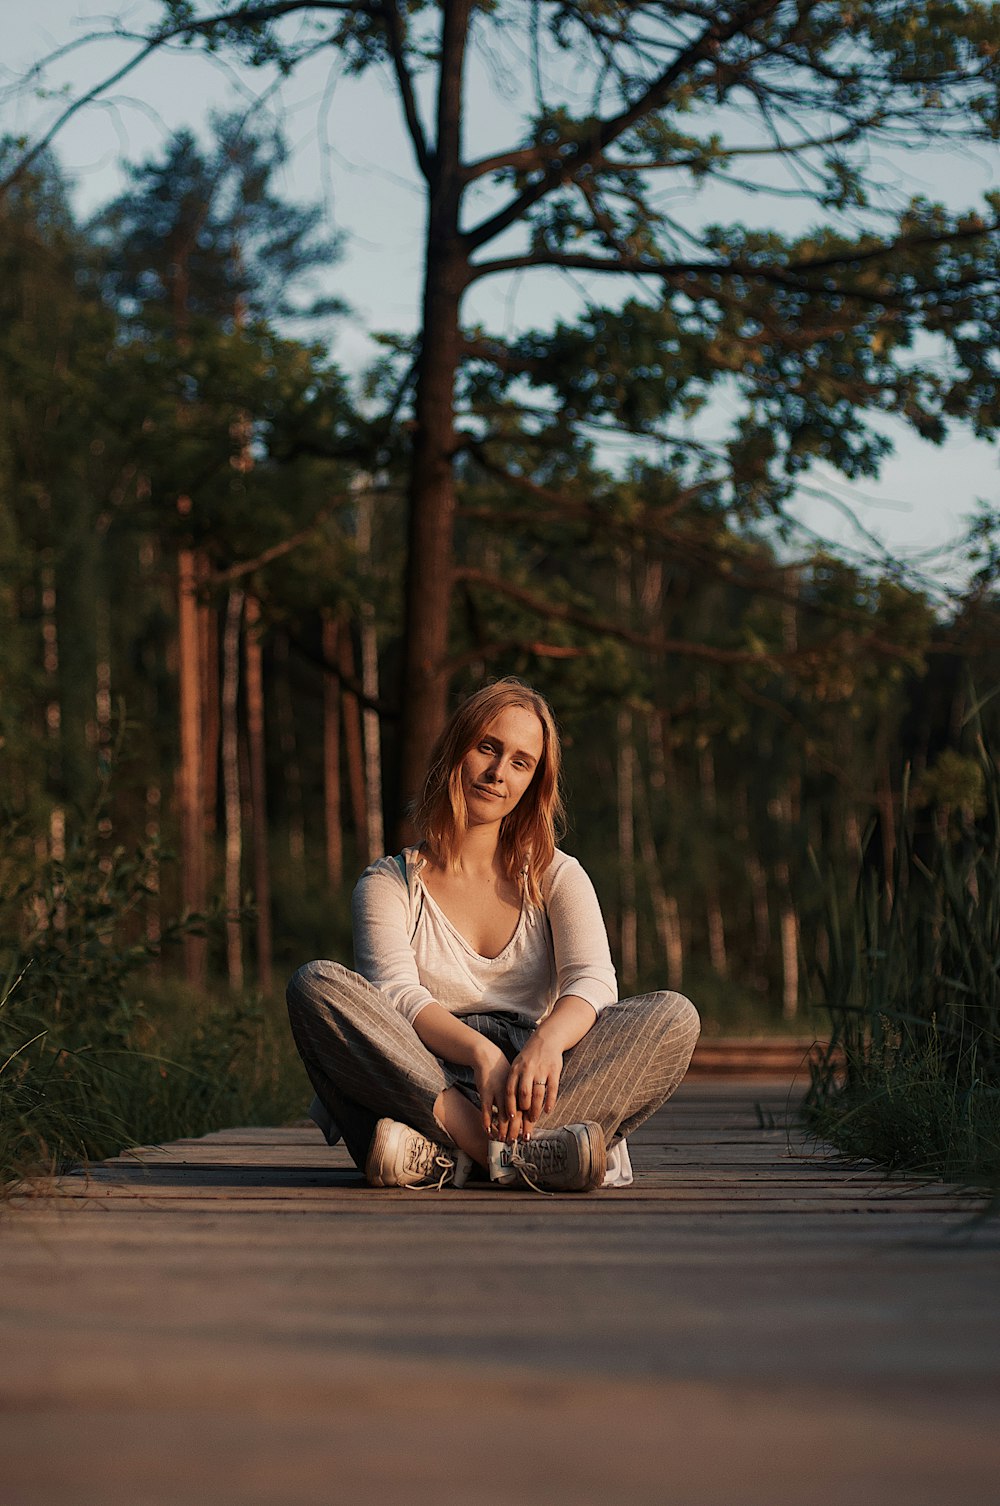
[{"x": 238, "y": 1321}]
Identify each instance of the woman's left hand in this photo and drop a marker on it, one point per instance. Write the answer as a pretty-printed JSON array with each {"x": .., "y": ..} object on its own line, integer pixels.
[{"x": 533, "y": 1081}]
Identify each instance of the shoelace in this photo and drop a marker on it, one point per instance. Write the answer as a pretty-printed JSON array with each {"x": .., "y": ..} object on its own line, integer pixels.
[
  {"x": 547, "y": 1157},
  {"x": 447, "y": 1169},
  {"x": 425, "y": 1158}
]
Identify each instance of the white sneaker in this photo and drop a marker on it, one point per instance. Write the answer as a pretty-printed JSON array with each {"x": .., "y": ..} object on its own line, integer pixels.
[
  {"x": 571, "y": 1159},
  {"x": 402, "y": 1157}
]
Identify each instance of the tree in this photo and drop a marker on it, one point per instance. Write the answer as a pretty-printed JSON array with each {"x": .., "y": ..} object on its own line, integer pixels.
[
  {"x": 809, "y": 330},
  {"x": 55, "y": 467}
]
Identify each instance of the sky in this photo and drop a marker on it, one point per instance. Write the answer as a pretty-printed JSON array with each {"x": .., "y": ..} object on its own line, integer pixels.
[{"x": 343, "y": 132}]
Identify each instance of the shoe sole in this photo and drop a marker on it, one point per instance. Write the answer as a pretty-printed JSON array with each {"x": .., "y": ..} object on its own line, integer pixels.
[
  {"x": 598, "y": 1157},
  {"x": 377, "y": 1152}
]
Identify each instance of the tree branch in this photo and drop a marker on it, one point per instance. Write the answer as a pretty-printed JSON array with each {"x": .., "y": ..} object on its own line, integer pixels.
[
  {"x": 268, "y": 556},
  {"x": 395, "y": 32},
  {"x": 583, "y": 154},
  {"x": 515, "y": 646},
  {"x": 794, "y": 275},
  {"x": 348, "y": 681},
  {"x": 567, "y": 506},
  {"x": 683, "y": 647},
  {"x": 249, "y": 15},
  {"x": 560, "y": 613}
]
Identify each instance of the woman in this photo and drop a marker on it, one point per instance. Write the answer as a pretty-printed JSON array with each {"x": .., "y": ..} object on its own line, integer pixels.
[{"x": 482, "y": 1027}]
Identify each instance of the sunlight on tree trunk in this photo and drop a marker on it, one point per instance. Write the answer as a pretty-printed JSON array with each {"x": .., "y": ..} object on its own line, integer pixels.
[
  {"x": 192, "y": 804},
  {"x": 789, "y": 958},
  {"x": 375, "y": 837},
  {"x": 786, "y": 810},
  {"x": 258, "y": 789},
  {"x": 231, "y": 789},
  {"x": 208, "y": 651}
]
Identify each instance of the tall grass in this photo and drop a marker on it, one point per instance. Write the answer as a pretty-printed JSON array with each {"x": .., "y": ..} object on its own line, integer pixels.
[
  {"x": 912, "y": 1076},
  {"x": 94, "y": 1054}
]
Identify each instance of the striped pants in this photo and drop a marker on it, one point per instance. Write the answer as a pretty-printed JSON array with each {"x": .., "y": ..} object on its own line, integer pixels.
[{"x": 367, "y": 1062}]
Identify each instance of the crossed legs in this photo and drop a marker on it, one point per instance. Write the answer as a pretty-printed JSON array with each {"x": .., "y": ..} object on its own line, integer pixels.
[{"x": 366, "y": 1061}]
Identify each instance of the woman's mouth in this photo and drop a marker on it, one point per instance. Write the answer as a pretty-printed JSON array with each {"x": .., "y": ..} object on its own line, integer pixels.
[{"x": 483, "y": 789}]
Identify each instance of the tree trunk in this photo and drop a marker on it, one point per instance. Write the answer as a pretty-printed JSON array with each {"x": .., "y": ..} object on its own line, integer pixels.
[
  {"x": 369, "y": 684},
  {"x": 192, "y": 805},
  {"x": 231, "y": 789},
  {"x": 790, "y": 958},
  {"x": 208, "y": 646},
  {"x": 53, "y": 698},
  {"x": 757, "y": 877},
  {"x": 331, "y": 759},
  {"x": 430, "y": 541},
  {"x": 662, "y": 776},
  {"x": 713, "y": 899},
  {"x": 75, "y": 610},
  {"x": 761, "y": 918},
  {"x": 886, "y": 816},
  {"x": 372, "y": 737},
  {"x": 295, "y": 812},
  {"x": 353, "y": 747},
  {"x": 258, "y": 790},
  {"x": 154, "y": 923},
  {"x": 626, "y": 851},
  {"x": 104, "y": 736},
  {"x": 629, "y": 929},
  {"x": 788, "y": 917},
  {"x": 665, "y": 914}
]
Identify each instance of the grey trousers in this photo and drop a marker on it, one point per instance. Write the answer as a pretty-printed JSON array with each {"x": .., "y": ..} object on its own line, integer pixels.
[{"x": 366, "y": 1061}]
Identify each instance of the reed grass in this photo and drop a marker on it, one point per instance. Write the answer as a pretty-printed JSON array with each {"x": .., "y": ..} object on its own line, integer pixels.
[{"x": 912, "y": 1075}]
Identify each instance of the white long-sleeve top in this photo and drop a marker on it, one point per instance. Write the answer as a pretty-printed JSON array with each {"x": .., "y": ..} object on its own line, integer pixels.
[{"x": 407, "y": 946}]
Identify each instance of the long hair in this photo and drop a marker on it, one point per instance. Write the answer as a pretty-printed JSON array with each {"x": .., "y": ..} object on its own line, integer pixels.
[{"x": 528, "y": 834}]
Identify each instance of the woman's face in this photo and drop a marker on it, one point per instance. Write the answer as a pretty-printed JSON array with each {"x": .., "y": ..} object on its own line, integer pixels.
[{"x": 498, "y": 770}]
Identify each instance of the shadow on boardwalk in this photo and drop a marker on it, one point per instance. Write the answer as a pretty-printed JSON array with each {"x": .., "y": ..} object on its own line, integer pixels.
[{"x": 238, "y": 1321}]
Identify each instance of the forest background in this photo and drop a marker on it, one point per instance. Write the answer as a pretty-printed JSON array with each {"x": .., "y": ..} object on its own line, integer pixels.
[{"x": 241, "y": 586}]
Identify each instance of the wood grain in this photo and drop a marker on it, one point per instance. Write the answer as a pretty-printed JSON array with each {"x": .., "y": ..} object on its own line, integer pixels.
[{"x": 238, "y": 1320}]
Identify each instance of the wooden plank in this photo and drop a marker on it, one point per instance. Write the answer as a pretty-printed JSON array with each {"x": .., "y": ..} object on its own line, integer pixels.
[{"x": 234, "y": 1319}]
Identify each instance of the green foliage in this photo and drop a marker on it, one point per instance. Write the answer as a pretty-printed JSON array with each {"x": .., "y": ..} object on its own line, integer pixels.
[
  {"x": 86, "y": 1065},
  {"x": 913, "y": 993}
]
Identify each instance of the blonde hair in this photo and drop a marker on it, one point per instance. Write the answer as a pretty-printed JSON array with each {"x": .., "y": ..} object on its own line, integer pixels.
[{"x": 528, "y": 834}]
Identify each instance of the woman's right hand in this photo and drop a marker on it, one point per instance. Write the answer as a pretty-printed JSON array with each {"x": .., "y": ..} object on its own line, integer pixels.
[{"x": 492, "y": 1070}]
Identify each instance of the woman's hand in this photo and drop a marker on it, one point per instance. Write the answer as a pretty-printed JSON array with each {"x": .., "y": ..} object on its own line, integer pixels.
[
  {"x": 492, "y": 1071},
  {"x": 533, "y": 1081}
]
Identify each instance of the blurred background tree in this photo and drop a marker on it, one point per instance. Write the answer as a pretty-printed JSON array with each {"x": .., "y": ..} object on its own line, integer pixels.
[{"x": 288, "y": 580}]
